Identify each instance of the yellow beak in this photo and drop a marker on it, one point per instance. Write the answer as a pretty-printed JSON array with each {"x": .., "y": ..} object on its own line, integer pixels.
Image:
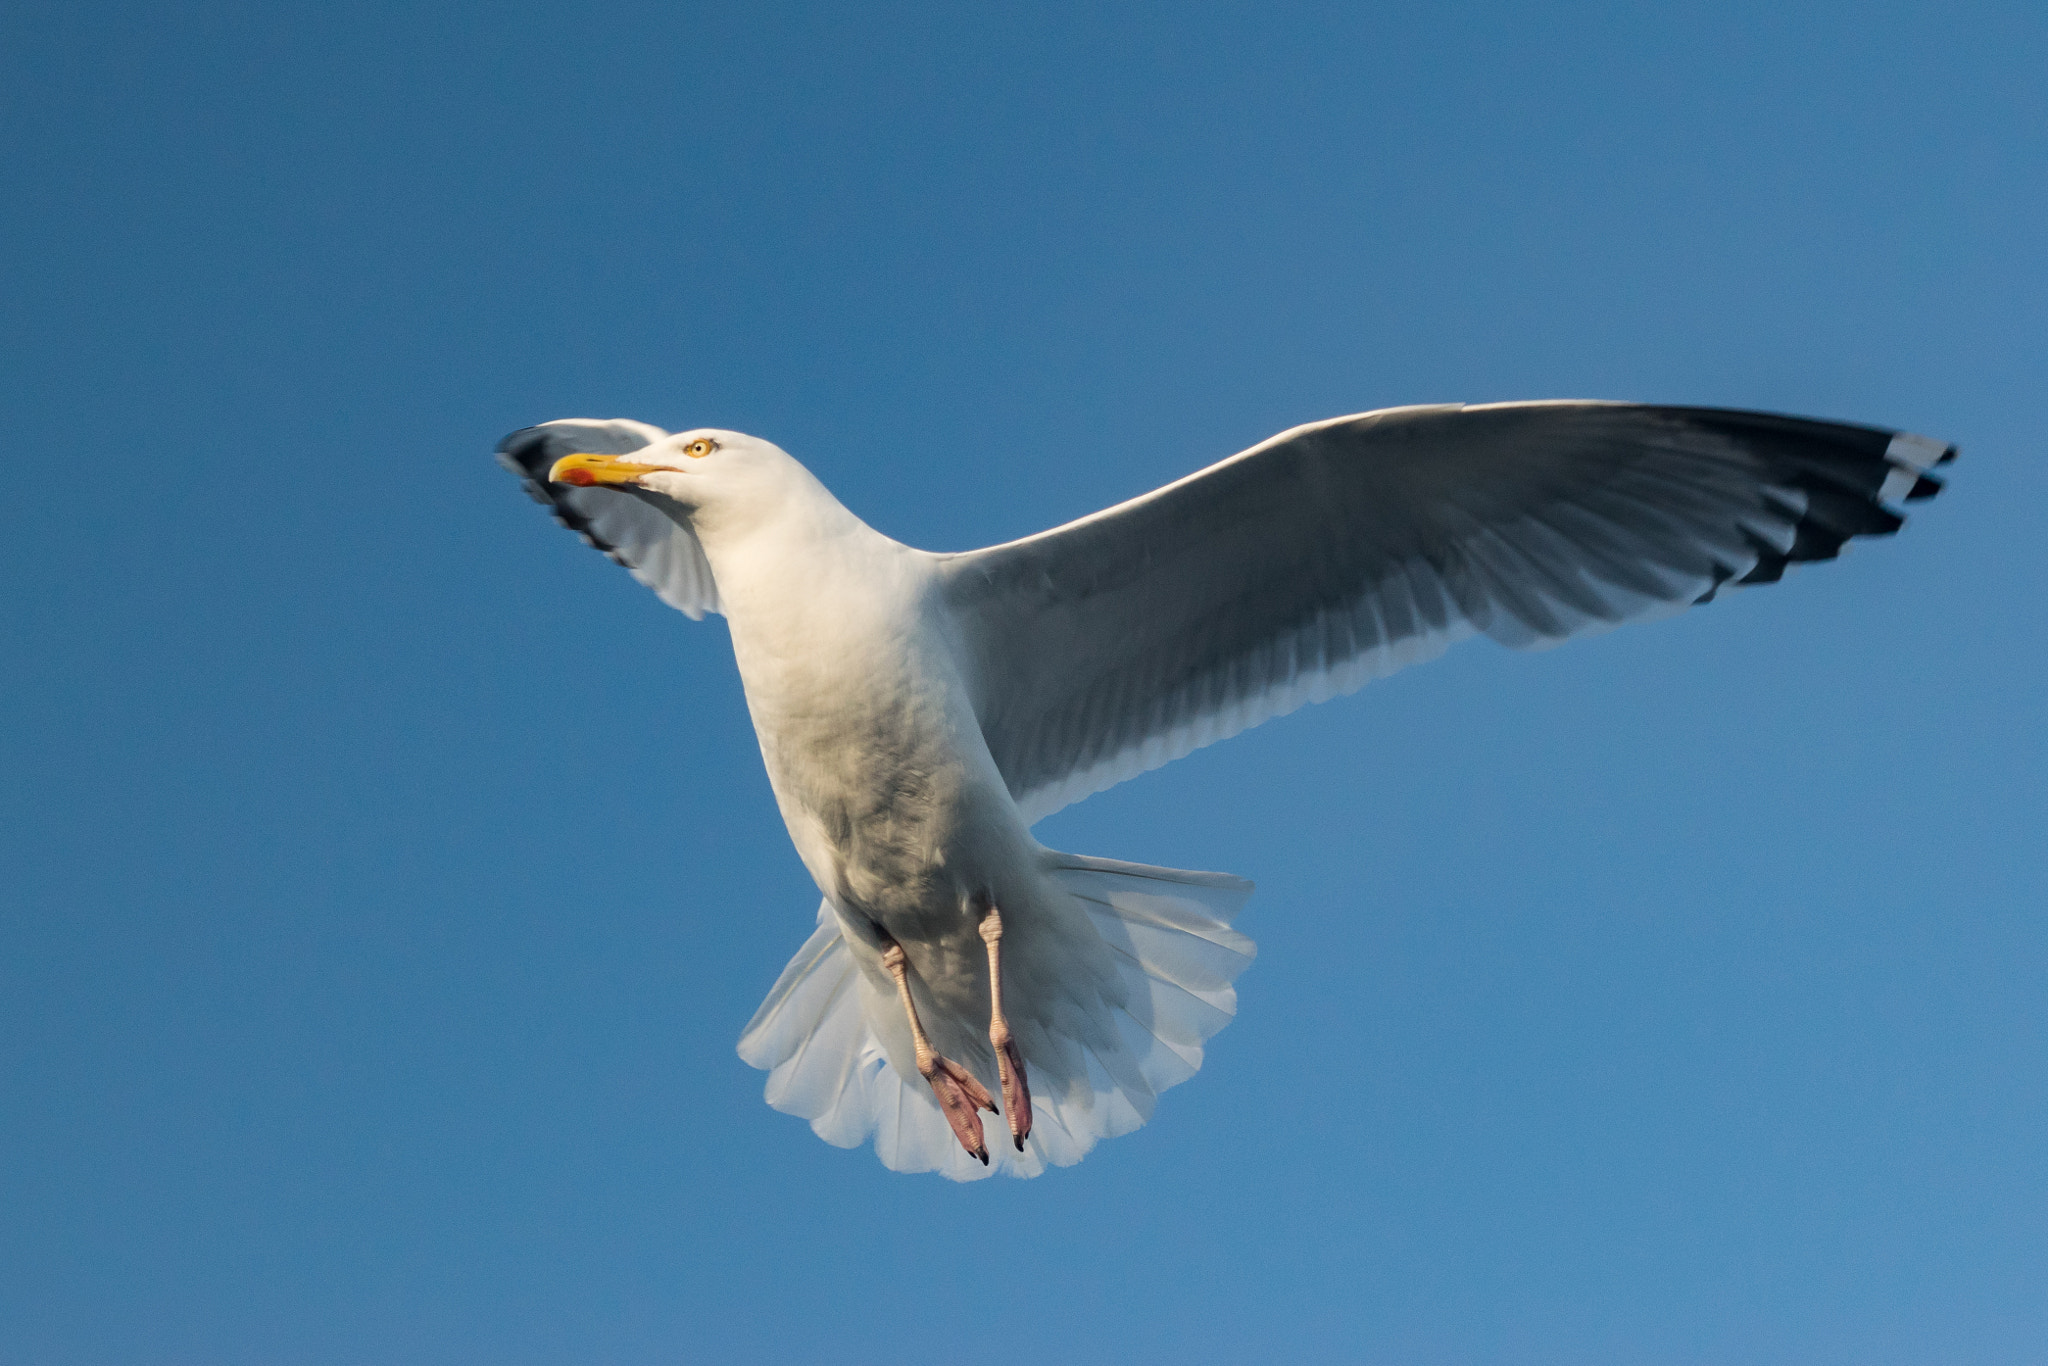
[{"x": 585, "y": 470}]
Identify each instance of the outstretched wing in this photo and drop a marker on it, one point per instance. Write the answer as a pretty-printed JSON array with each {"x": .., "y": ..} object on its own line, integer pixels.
[
  {"x": 1341, "y": 551},
  {"x": 661, "y": 552}
]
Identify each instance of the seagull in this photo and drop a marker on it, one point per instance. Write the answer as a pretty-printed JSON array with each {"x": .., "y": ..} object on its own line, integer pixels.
[{"x": 919, "y": 712}]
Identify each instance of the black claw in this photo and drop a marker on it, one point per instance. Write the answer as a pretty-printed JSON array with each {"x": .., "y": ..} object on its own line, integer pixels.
[
  {"x": 983, "y": 1155},
  {"x": 1020, "y": 1142}
]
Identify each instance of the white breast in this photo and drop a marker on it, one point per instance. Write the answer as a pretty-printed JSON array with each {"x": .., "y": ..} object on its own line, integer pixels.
[{"x": 870, "y": 740}]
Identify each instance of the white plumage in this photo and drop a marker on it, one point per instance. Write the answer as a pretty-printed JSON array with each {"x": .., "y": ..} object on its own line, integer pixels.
[{"x": 918, "y": 712}]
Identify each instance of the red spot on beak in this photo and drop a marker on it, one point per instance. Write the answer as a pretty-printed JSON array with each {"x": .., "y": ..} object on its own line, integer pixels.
[{"x": 581, "y": 478}]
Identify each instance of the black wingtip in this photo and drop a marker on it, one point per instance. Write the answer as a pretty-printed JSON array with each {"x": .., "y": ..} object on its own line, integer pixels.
[
  {"x": 528, "y": 453},
  {"x": 524, "y": 453},
  {"x": 1841, "y": 473}
]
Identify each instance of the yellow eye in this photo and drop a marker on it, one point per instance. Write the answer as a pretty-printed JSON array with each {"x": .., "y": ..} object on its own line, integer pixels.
[{"x": 700, "y": 448}]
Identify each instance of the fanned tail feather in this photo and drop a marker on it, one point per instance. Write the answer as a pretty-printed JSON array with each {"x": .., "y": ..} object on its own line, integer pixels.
[{"x": 1175, "y": 956}]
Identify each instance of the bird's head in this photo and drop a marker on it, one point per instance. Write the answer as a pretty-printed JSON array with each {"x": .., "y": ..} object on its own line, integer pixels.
[{"x": 716, "y": 476}]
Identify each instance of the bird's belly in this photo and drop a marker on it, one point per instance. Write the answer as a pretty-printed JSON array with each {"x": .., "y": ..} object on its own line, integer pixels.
[
  {"x": 902, "y": 818},
  {"x": 897, "y": 813},
  {"x": 905, "y": 844}
]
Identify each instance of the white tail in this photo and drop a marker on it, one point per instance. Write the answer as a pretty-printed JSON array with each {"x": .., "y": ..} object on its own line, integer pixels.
[{"x": 1169, "y": 933}]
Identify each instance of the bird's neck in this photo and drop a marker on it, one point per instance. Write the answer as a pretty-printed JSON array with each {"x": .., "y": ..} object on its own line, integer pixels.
[{"x": 801, "y": 561}]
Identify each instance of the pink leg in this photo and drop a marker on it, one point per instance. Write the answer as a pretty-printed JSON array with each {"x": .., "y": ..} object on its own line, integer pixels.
[
  {"x": 959, "y": 1094},
  {"x": 1009, "y": 1062}
]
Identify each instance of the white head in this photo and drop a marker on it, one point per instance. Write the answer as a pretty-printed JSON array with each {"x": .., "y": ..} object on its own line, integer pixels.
[{"x": 727, "y": 482}]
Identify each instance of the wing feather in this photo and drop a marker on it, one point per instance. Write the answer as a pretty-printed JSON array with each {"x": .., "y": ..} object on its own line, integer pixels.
[
  {"x": 657, "y": 549},
  {"x": 1341, "y": 551}
]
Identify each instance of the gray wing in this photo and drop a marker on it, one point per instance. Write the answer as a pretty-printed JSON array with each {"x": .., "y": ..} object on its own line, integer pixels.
[
  {"x": 661, "y": 552},
  {"x": 1341, "y": 551}
]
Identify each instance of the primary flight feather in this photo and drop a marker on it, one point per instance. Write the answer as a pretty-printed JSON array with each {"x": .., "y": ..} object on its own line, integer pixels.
[{"x": 918, "y": 712}]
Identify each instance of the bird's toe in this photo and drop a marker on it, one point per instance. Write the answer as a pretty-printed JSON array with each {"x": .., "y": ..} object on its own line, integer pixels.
[{"x": 960, "y": 1096}]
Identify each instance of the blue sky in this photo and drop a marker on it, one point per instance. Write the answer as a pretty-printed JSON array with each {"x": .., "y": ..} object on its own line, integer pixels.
[{"x": 388, "y": 877}]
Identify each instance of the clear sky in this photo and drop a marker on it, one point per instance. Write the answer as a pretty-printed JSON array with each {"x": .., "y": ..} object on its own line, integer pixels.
[{"x": 387, "y": 877}]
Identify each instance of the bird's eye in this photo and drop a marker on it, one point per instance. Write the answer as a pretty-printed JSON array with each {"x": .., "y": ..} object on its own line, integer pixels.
[{"x": 700, "y": 448}]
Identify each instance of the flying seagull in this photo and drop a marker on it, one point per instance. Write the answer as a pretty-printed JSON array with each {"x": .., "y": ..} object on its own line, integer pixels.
[{"x": 918, "y": 712}]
